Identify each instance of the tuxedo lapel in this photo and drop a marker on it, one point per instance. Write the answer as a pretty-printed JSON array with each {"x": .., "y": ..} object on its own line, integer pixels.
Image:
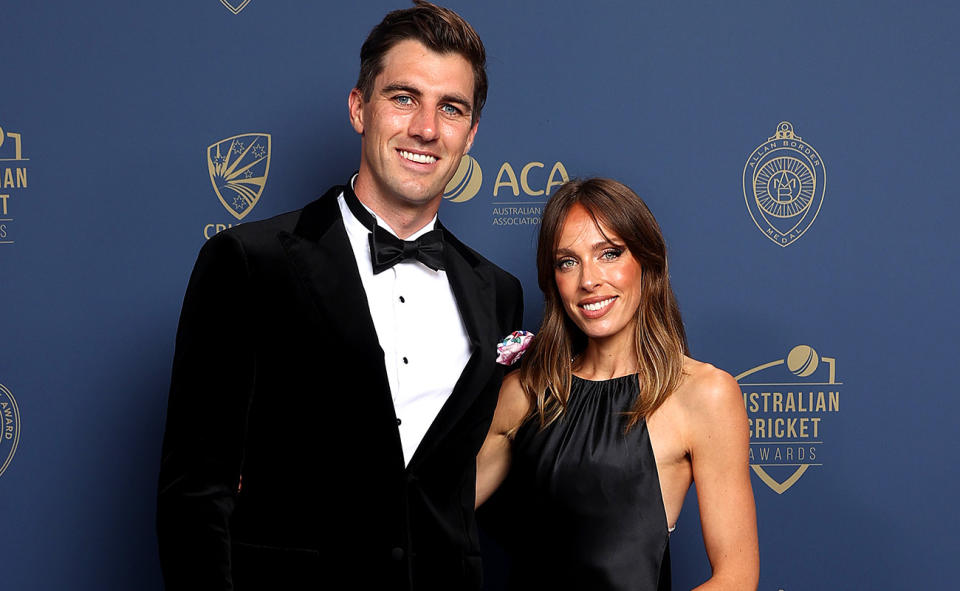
[
  {"x": 320, "y": 253},
  {"x": 476, "y": 300}
]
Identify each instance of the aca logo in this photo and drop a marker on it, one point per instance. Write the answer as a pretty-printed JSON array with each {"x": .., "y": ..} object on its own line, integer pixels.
[
  {"x": 789, "y": 402},
  {"x": 507, "y": 177},
  {"x": 466, "y": 181},
  {"x": 235, "y": 6},
  {"x": 525, "y": 209},
  {"x": 9, "y": 427},
  {"x": 518, "y": 199},
  {"x": 13, "y": 179},
  {"x": 784, "y": 182},
  {"x": 238, "y": 167}
]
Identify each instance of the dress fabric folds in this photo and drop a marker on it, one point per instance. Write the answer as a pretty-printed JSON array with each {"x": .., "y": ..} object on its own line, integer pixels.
[{"x": 588, "y": 509}]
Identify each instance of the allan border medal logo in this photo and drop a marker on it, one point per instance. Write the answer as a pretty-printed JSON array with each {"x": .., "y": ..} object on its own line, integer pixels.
[
  {"x": 10, "y": 432},
  {"x": 784, "y": 182},
  {"x": 787, "y": 412},
  {"x": 235, "y": 6},
  {"x": 238, "y": 168}
]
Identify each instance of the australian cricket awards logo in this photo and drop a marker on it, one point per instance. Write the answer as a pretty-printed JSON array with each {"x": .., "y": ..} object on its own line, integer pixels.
[
  {"x": 238, "y": 168},
  {"x": 466, "y": 181},
  {"x": 13, "y": 181},
  {"x": 789, "y": 402},
  {"x": 10, "y": 429},
  {"x": 784, "y": 182},
  {"x": 235, "y": 6}
]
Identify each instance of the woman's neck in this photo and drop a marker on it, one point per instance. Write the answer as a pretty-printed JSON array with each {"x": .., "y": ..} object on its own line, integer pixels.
[{"x": 603, "y": 360}]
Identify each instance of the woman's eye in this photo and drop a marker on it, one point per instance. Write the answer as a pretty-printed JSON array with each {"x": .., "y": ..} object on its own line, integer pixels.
[
  {"x": 612, "y": 254},
  {"x": 564, "y": 264}
]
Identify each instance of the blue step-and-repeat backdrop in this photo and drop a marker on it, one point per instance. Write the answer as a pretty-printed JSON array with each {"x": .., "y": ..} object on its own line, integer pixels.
[{"x": 800, "y": 156}]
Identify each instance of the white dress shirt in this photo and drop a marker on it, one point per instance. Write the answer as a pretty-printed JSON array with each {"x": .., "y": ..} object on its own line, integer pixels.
[{"x": 425, "y": 344}]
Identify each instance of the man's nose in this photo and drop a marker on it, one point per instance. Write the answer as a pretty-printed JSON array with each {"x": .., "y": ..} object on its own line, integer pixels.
[{"x": 423, "y": 125}]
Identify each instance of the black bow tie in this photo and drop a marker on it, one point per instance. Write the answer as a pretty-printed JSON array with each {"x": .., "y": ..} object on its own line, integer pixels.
[{"x": 386, "y": 250}]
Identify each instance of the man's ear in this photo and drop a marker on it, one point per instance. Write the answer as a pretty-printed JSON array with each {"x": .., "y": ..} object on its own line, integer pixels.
[
  {"x": 471, "y": 135},
  {"x": 355, "y": 104}
]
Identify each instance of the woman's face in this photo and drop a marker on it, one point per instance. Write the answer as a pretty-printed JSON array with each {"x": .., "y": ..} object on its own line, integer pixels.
[{"x": 597, "y": 277}]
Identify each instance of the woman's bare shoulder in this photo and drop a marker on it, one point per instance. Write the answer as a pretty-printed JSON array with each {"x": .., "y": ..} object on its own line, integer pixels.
[{"x": 707, "y": 390}]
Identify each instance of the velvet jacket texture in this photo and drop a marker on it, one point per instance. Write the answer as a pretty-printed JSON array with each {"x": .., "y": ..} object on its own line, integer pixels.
[{"x": 278, "y": 378}]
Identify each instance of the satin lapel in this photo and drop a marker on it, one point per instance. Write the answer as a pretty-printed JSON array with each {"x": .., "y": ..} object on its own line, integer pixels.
[
  {"x": 476, "y": 301},
  {"x": 320, "y": 252}
]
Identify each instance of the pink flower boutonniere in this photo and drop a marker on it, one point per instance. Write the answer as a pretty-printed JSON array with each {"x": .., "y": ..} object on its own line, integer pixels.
[{"x": 511, "y": 348}]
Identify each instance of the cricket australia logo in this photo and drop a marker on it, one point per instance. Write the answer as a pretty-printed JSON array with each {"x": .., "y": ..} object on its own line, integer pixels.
[
  {"x": 238, "y": 168},
  {"x": 784, "y": 182}
]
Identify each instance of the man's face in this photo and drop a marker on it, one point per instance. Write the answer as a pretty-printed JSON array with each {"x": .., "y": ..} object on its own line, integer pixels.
[{"x": 416, "y": 126}]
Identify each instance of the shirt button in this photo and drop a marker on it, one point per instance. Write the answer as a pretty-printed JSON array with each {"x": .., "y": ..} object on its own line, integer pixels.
[
  {"x": 406, "y": 361},
  {"x": 398, "y": 421},
  {"x": 402, "y": 300},
  {"x": 397, "y": 554}
]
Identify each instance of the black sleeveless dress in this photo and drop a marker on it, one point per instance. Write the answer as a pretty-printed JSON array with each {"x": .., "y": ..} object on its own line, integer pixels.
[{"x": 588, "y": 510}]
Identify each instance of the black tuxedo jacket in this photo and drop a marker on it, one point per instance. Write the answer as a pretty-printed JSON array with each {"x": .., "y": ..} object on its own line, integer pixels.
[{"x": 282, "y": 466}]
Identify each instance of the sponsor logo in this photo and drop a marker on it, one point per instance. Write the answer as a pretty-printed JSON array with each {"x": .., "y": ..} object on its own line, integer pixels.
[
  {"x": 466, "y": 181},
  {"x": 10, "y": 429},
  {"x": 238, "y": 167},
  {"x": 517, "y": 197},
  {"x": 13, "y": 180},
  {"x": 235, "y": 6},
  {"x": 789, "y": 402},
  {"x": 784, "y": 182},
  {"x": 518, "y": 200}
]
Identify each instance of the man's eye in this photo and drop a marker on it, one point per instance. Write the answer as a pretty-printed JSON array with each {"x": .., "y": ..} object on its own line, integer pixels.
[
  {"x": 403, "y": 99},
  {"x": 451, "y": 110}
]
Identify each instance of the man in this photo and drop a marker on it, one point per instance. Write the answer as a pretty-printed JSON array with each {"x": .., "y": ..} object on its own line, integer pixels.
[{"x": 332, "y": 383}]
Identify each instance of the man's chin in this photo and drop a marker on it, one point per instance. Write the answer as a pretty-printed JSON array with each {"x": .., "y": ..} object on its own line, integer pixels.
[{"x": 423, "y": 195}]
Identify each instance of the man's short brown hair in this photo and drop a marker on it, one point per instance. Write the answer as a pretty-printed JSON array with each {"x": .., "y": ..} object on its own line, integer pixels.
[{"x": 440, "y": 29}]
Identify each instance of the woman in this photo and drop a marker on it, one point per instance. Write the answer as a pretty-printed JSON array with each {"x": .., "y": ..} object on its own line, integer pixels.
[{"x": 608, "y": 422}]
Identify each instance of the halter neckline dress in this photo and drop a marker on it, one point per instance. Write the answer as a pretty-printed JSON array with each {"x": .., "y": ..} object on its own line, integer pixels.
[{"x": 588, "y": 508}]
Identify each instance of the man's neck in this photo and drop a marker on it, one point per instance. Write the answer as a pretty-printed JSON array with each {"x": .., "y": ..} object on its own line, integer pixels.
[{"x": 403, "y": 218}]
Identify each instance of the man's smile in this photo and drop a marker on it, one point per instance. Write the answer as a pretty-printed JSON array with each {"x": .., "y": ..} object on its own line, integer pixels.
[{"x": 417, "y": 157}]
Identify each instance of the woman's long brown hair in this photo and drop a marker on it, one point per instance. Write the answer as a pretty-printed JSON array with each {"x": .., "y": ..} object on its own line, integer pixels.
[{"x": 661, "y": 342}]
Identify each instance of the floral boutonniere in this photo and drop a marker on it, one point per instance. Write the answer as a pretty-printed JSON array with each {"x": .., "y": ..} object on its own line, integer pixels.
[{"x": 511, "y": 348}]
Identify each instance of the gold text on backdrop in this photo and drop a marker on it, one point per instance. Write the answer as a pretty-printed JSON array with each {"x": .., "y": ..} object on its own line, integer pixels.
[
  {"x": 10, "y": 429},
  {"x": 13, "y": 179},
  {"x": 518, "y": 199}
]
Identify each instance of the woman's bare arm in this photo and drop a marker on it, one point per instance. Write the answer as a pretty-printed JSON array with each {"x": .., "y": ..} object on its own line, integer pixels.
[
  {"x": 719, "y": 439},
  {"x": 493, "y": 461}
]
